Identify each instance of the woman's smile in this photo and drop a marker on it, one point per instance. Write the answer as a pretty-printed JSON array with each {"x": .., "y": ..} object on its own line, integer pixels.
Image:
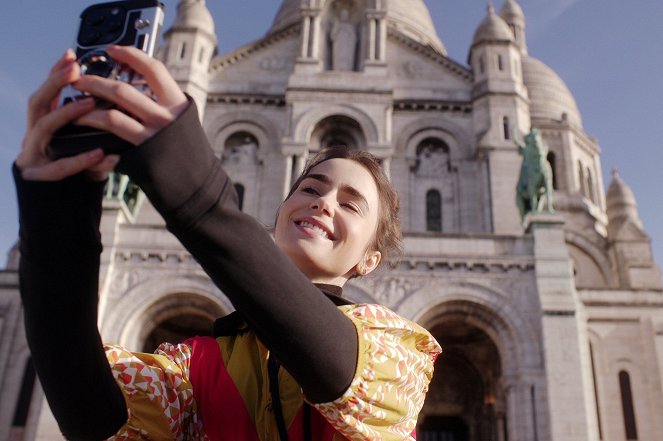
[{"x": 314, "y": 228}]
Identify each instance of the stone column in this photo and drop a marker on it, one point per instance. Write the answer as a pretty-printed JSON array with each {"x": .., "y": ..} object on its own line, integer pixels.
[
  {"x": 520, "y": 423},
  {"x": 375, "y": 47},
  {"x": 568, "y": 381},
  {"x": 306, "y": 36},
  {"x": 315, "y": 41}
]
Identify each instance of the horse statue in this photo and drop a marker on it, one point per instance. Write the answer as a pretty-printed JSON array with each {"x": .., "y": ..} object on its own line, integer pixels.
[{"x": 535, "y": 179}]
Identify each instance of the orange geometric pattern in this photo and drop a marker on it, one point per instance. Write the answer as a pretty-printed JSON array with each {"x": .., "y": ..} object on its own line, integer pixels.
[{"x": 158, "y": 393}]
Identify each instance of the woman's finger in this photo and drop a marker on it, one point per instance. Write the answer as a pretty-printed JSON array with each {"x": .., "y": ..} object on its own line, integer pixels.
[
  {"x": 33, "y": 148},
  {"x": 163, "y": 85},
  {"x": 68, "y": 56},
  {"x": 99, "y": 171},
  {"x": 126, "y": 97},
  {"x": 64, "y": 167},
  {"x": 117, "y": 123},
  {"x": 65, "y": 71}
]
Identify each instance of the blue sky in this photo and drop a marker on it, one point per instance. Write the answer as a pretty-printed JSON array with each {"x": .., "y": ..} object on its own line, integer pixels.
[{"x": 609, "y": 53}]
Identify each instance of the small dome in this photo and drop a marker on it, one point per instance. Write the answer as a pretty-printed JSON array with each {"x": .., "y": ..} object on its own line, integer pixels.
[
  {"x": 511, "y": 9},
  {"x": 548, "y": 94},
  {"x": 194, "y": 14},
  {"x": 621, "y": 204},
  {"x": 411, "y": 17},
  {"x": 619, "y": 198},
  {"x": 492, "y": 28}
]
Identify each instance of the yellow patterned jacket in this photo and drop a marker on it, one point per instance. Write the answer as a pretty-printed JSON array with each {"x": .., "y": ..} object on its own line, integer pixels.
[{"x": 218, "y": 389}]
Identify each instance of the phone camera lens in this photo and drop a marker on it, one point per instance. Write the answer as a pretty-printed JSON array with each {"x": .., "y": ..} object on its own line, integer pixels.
[
  {"x": 95, "y": 18},
  {"x": 89, "y": 37},
  {"x": 97, "y": 63}
]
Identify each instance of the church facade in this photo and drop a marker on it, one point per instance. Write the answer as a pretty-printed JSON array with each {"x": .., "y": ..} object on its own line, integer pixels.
[{"x": 551, "y": 322}]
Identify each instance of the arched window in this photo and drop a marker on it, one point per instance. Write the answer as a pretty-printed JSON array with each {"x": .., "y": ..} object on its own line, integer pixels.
[
  {"x": 627, "y": 405},
  {"x": 590, "y": 186},
  {"x": 596, "y": 390},
  {"x": 181, "y": 50},
  {"x": 581, "y": 180},
  {"x": 553, "y": 165},
  {"x": 337, "y": 131},
  {"x": 482, "y": 65},
  {"x": 505, "y": 128},
  {"x": 500, "y": 64},
  {"x": 240, "y": 148},
  {"x": 433, "y": 211},
  {"x": 239, "y": 189}
]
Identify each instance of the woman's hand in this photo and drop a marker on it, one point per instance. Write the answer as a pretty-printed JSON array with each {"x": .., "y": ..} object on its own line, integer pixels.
[
  {"x": 44, "y": 118},
  {"x": 145, "y": 116}
]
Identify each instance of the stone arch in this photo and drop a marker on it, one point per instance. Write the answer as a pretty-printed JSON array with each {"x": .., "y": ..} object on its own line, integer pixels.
[
  {"x": 337, "y": 130},
  {"x": 486, "y": 308},
  {"x": 593, "y": 253},
  {"x": 306, "y": 123},
  {"x": 460, "y": 145},
  {"x": 262, "y": 128},
  {"x": 150, "y": 300},
  {"x": 483, "y": 327}
]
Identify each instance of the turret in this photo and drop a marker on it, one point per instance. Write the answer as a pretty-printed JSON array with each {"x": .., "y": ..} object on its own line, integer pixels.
[
  {"x": 190, "y": 45},
  {"x": 514, "y": 17},
  {"x": 630, "y": 245},
  {"x": 501, "y": 111}
]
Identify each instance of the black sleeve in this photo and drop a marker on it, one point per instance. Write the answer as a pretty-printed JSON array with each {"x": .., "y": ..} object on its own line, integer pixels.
[
  {"x": 58, "y": 275},
  {"x": 184, "y": 180}
]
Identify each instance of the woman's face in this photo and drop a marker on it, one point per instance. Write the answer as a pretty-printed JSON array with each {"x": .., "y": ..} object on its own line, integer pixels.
[{"x": 328, "y": 223}]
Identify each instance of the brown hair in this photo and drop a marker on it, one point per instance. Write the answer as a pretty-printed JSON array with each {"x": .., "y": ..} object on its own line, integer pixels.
[{"x": 388, "y": 237}]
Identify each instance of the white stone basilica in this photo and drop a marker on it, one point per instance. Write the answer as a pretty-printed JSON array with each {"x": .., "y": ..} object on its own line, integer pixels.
[{"x": 552, "y": 327}]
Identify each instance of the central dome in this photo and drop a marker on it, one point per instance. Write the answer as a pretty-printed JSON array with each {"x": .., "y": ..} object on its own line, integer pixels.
[{"x": 410, "y": 17}]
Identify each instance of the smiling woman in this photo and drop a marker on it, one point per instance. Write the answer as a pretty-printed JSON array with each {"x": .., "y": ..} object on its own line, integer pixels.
[
  {"x": 344, "y": 198},
  {"x": 295, "y": 361}
]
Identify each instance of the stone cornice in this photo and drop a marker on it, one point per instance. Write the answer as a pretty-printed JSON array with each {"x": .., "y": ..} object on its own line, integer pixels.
[
  {"x": 496, "y": 265},
  {"x": 235, "y": 98},
  {"x": 426, "y": 105},
  {"x": 632, "y": 298},
  {"x": 160, "y": 258}
]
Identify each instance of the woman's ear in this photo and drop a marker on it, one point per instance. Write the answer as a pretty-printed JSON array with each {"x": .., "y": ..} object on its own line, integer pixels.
[{"x": 368, "y": 263}]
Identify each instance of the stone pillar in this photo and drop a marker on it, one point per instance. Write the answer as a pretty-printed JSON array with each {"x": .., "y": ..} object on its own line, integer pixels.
[
  {"x": 375, "y": 53},
  {"x": 520, "y": 423},
  {"x": 372, "y": 30},
  {"x": 565, "y": 346},
  {"x": 315, "y": 40},
  {"x": 306, "y": 36},
  {"x": 308, "y": 60},
  {"x": 503, "y": 169},
  {"x": 382, "y": 40}
]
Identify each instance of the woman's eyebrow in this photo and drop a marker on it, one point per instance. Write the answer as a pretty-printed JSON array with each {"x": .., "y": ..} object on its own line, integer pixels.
[{"x": 344, "y": 188}]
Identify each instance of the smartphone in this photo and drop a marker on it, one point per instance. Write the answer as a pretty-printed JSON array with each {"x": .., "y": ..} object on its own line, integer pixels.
[{"x": 135, "y": 23}]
